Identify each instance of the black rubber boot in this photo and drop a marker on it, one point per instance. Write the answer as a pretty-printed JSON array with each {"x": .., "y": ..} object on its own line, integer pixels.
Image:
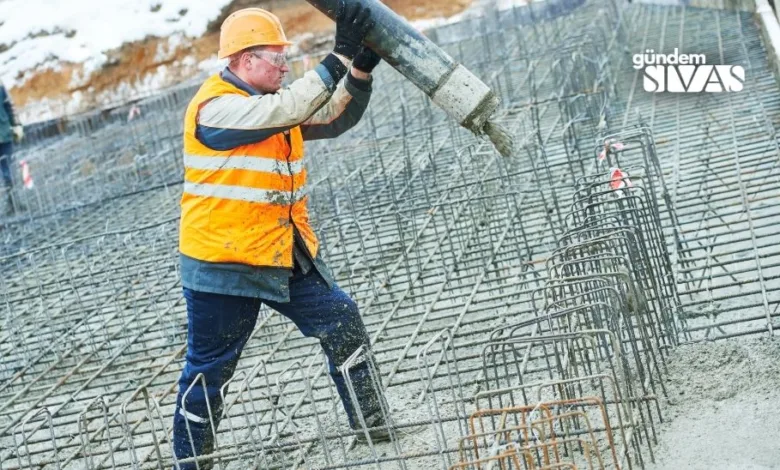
[{"x": 377, "y": 429}]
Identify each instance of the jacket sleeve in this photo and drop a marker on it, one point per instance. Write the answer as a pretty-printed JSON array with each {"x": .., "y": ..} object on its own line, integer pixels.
[
  {"x": 341, "y": 113},
  {"x": 229, "y": 121},
  {"x": 9, "y": 107}
]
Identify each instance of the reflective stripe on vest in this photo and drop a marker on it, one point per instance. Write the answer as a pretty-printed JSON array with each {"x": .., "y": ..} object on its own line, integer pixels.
[
  {"x": 235, "y": 162},
  {"x": 241, "y": 193}
]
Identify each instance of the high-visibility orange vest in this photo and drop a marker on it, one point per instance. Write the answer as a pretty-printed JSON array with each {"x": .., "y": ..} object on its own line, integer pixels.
[{"x": 239, "y": 205}]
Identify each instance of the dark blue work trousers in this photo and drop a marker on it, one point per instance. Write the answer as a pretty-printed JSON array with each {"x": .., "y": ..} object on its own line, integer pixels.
[
  {"x": 6, "y": 149},
  {"x": 219, "y": 327}
]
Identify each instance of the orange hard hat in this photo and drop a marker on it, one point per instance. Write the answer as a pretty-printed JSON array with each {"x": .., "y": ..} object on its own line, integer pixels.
[{"x": 248, "y": 28}]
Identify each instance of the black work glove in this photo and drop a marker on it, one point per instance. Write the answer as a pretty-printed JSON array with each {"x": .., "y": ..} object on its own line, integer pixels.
[
  {"x": 366, "y": 60},
  {"x": 353, "y": 22}
]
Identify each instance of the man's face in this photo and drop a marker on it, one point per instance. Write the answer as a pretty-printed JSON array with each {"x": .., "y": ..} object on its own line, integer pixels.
[{"x": 264, "y": 68}]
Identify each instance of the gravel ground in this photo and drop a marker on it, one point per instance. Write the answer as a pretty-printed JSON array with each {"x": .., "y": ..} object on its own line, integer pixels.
[{"x": 722, "y": 410}]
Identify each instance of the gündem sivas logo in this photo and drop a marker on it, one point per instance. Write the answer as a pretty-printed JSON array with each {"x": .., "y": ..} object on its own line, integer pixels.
[{"x": 687, "y": 73}]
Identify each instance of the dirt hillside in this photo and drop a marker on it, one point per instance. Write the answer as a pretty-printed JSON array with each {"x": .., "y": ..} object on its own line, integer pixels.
[{"x": 138, "y": 63}]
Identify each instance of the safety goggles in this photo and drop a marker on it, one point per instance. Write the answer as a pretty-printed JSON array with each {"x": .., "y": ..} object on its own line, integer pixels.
[{"x": 277, "y": 59}]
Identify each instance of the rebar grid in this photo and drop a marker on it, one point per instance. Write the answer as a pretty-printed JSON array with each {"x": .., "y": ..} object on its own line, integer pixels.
[
  {"x": 441, "y": 243},
  {"x": 721, "y": 165}
]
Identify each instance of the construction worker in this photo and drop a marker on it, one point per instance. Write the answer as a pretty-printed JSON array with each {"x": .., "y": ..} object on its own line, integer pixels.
[
  {"x": 245, "y": 237},
  {"x": 11, "y": 131}
]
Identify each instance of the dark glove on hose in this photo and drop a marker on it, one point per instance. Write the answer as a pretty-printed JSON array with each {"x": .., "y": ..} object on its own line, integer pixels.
[
  {"x": 366, "y": 60},
  {"x": 353, "y": 22}
]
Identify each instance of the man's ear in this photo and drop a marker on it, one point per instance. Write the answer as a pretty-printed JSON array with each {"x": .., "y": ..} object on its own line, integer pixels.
[{"x": 244, "y": 61}]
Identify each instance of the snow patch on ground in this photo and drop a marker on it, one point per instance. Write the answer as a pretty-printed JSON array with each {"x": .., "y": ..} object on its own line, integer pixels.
[{"x": 39, "y": 34}]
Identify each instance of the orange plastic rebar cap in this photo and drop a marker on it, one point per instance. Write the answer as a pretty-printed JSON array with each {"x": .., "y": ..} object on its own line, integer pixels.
[{"x": 248, "y": 28}]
